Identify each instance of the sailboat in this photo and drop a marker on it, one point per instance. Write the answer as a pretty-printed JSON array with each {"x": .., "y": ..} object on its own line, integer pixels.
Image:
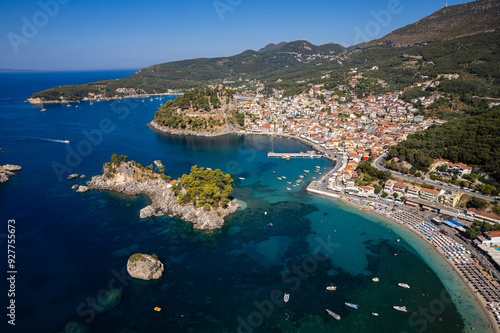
[{"x": 43, "y": 109}]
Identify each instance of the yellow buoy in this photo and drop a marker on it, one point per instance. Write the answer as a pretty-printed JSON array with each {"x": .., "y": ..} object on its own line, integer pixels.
[{"x": 157, "y": 309}]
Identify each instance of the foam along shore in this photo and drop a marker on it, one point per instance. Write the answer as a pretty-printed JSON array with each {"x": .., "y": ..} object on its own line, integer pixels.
[
  {"x": 128, "y": 179},
  {"x": 453, "y": 279}
]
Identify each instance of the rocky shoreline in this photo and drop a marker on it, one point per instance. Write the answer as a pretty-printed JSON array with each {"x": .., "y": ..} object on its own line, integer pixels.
[
  {"x": 162, "y": 129},
  {"x": 7, "y": 171},
  {"x": 126, "y": 179}
]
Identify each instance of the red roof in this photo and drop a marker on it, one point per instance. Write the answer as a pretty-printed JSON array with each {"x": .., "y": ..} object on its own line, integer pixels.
[
  {"x": 492, "y": 234},
  {"x": 428, "y": 190}
]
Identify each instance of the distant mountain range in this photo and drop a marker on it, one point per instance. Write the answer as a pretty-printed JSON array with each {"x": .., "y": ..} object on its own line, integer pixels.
[{"x": 287, "y": 64}]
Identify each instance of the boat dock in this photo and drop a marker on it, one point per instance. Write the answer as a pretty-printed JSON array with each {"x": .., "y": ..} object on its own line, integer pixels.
[{"x": 309, "y": 154}]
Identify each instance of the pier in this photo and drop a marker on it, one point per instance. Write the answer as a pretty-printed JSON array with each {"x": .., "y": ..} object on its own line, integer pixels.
[{"x": 309, "y": 154}]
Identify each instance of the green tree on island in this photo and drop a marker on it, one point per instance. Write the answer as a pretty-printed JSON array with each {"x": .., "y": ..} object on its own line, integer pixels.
[{"x": 204, "y": 188}]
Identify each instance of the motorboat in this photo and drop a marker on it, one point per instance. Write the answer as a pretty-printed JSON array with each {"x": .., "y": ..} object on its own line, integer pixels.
[
  {"x": 333, "y": 314},
  {"x": 400, "y": 308},
  {"x": 352, "y": 305}
]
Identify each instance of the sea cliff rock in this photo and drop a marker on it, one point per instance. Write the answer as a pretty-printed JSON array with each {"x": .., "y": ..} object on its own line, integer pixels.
[
  {"x": 82, "y": 189},
  {"x": 75, "y": 187},
  {"x": 7, "y": 171},
  {"x": 146, "y": 212},
  {"x": 144, "y": 267},
  {"x": 127, "y": 179},
  {"x": 72, "y": 176}
]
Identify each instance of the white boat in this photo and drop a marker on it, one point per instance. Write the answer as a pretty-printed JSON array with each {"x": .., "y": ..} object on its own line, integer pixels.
[
  {"x": 286, "y": 297},
  {"x": 333, "y": 314},
  {"x": 43, "y": 109},
  {"x": 242, "y": 178},
  {"x": 306, "y": 170},
  {"x": 404, "y": 285},
  {"x": 283, "y": 177},
  {"x": 400, "y": 308},
  {"x": 289, "y": 182},
  {"x": 289, "y": 189},
  {"x": 375, "y": 279},
  {"x": 331, "y": 288},
  {"x": 65, "y": 141},
  {"x": 279, "y": 178},
  {"x": 375, "y": 314},
  {"x": 351, "y": 305}
]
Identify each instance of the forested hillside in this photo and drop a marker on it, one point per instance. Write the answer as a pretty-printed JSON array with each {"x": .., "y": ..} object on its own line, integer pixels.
[{"x": 474, "y": 141}]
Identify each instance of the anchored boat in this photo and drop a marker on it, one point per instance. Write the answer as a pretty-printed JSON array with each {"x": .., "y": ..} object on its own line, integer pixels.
[
  {"x": 333, "y": 314},
  {"x": 400, "y": 308},
  {"x": 351, "y": 305}
]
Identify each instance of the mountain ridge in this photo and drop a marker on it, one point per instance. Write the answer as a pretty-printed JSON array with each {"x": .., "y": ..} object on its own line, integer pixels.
[
  {"x": 447, "y": 23},
  {"x": 294, "y": 63}
]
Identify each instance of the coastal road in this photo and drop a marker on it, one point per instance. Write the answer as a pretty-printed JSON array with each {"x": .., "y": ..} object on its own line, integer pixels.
[{"x": 377, "y": 163}]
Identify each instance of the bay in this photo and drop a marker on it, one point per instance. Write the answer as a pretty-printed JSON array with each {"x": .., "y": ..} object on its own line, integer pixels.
[{"x": 71, "y": 248}]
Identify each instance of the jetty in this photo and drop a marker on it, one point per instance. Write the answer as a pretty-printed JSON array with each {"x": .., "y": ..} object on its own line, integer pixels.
[{"x": 309, "y": 154}]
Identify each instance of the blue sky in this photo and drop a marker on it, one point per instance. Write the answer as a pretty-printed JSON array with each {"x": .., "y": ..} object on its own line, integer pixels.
[{"x": 79, "y": 35}]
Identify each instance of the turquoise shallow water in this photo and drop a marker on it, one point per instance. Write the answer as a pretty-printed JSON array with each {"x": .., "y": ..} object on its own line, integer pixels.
[{"x": 72, "y": 248}]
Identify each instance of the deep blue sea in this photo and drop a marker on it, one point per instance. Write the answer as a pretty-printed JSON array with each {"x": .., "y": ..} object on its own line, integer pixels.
[{"x": 72, "y": 249}]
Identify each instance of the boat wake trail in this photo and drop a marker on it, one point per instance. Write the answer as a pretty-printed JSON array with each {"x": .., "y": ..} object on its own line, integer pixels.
[
  {"x": 61, "y": 141},
  {"x": 47, "y": 140}
]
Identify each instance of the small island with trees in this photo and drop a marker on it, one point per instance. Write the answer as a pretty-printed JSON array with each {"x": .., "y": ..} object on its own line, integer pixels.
[
  {"x": 202, "y": 197},
  {"x": 203, "y": 112}
]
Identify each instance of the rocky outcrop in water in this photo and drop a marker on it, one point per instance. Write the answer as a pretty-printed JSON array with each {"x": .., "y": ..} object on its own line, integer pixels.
[
  {"x": 144, "y": 267},
  {"x": 7, "y": 171},
  {"x": 128, "y": 179},
  {"x": 82, "y": 189}
]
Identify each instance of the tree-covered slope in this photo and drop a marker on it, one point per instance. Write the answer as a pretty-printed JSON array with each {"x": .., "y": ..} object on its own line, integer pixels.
[
  {"x": 474, "y": 141},
  {"x": 193, "y": 73}
]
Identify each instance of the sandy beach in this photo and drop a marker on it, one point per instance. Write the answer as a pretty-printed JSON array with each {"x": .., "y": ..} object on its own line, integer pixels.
[{"x": 474, "y": 295}]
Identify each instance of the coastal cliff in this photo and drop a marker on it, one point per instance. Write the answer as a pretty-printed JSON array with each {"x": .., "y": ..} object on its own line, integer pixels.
[
  {"x": 131, "y": 179},
  {"x": 7, "y": 171},
  {"x": 201, "y": 112}
]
